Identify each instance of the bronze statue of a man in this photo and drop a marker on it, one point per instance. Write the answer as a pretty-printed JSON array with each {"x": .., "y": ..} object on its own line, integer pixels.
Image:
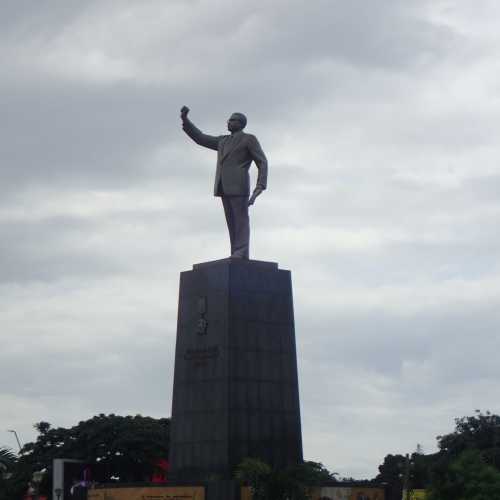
[{"x": 235, "y": 153}]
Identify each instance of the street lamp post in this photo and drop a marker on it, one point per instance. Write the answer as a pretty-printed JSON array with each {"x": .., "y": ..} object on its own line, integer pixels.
[{"x": 17, "y": 438}]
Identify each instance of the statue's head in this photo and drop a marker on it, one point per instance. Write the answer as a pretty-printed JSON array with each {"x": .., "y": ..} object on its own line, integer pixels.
[{"x": 237, "y": 121}]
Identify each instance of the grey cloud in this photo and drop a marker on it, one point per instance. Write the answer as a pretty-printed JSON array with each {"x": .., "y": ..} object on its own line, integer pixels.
[
  {"x": 383, "y": 197},
  {"x": 485, "y": 189},
  {"x": 90, "y": 139},
  {"x": 448, "y": 340},
  {"x": 431, "y": 260},
  {"x": 48, "y": 249},
  {"x": 20, "y": 19},
  {"x": 54, "y": 248},
  {"x": 388, "y": 35},
  {"x": 129, "y": 361},
  {"x": 420, "y": 370},
  {"x": 100, "y": 139}
]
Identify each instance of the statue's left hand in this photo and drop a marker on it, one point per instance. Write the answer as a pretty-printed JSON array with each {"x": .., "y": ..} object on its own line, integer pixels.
[{"x": 255, "y": 193}]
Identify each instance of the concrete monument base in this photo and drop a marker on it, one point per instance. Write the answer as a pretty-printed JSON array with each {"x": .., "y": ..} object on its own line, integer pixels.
[{"x": 235, "y": 383}]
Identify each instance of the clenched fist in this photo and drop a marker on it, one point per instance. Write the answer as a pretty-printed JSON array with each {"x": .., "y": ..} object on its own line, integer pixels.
[{"x": 184, "y": 112}]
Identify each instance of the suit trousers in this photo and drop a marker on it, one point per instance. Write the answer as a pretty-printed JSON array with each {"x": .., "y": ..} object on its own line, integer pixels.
[{"x": 236, "y": 211}]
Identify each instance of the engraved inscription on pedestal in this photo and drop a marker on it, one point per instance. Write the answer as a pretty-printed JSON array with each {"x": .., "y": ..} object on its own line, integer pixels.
[{"x": 202, "y": 325}]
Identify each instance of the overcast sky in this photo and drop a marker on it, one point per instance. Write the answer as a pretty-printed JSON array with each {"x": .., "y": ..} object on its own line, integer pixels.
[{"x": 381, "y": 123}]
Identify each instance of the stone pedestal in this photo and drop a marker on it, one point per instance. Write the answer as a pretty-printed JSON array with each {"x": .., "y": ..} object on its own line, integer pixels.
[{"x": 235, "y": 382}]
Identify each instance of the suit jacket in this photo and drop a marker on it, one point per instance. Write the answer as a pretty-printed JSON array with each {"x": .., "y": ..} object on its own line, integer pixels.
[{"x": 235, "y": 154}]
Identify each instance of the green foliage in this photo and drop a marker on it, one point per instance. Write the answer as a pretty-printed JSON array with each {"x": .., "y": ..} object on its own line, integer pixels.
[
  {"x": 467, "y": 477},
  {"x": 7, "y": 463},
  {"x": 480, "y": 432},
  {"x": 256, "y": 474},
  {"x": 472, "y": 449},
  {"x": 7, "y": 459},
  {"x": 391, "y": 472},
  {"x": 292, "y": 483},
  {"x": 126, "y": 448},
  {"x": 467, "y": 466},
  {"x": 314, "y": 473},
  {"x": 420, "y": 469}
]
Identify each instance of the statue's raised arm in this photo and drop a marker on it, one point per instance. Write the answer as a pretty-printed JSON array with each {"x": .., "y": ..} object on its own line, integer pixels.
[
  {"x": 209, "y": 141},
  {"x": 235, "y": 154}
]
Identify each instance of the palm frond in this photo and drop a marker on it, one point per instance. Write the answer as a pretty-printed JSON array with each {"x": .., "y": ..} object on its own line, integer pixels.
[{"x": 7, "y": 458}]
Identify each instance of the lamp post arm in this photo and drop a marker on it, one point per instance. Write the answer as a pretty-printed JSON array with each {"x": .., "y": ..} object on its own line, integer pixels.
[{"x": 17, "y": 438}]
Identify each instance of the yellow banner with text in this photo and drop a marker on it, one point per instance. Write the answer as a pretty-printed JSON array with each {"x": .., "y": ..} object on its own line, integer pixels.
[
  {"x": 414, "y": 495},
  {"x": 335, "y": 493},
  {"x": 148, "y": 493}
]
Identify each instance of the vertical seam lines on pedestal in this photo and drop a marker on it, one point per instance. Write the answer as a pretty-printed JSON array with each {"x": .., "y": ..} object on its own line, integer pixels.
[
  {"x": 228, "y": 368},
  {"x": 301, "y": 449}
]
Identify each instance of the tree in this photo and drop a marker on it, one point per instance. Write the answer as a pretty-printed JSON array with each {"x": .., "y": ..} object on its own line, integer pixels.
[
  {"x": 480, "y": 432},
  {"x": 292, "y": 482},
  {"x": 413, "y": 469},
  {"x": 256, "y": 474},
  {"x": 297, "y": 481},
  {"x": 391, "y": 472},
  {"x": 125, "y": 447},
  {"x": 7, "y": 459},
  {"x": 7, "y": 464},
  {"x": 467, "y": 465},
  {"x": 420, "y": 469},
  {"x": 467, "y": 477}
]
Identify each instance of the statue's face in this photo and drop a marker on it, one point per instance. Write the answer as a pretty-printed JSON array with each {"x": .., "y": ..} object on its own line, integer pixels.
[{"x": 234, "y": 124}]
